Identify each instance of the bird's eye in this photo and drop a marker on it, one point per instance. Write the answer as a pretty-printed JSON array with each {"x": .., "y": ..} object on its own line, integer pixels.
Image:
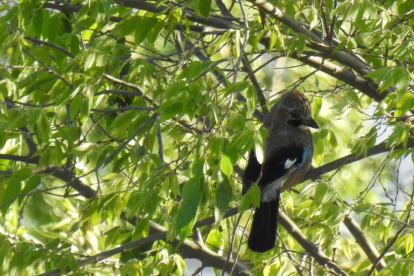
[{"x": 294, "y": 114}]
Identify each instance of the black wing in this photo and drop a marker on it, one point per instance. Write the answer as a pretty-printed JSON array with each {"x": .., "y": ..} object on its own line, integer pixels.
[
  {"x": 252, "y": 172},
  {"x": 279, "y": 162}
]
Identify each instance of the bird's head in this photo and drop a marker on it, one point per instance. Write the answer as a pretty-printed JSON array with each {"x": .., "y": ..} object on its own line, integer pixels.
[{"x": 293, "y": 108}]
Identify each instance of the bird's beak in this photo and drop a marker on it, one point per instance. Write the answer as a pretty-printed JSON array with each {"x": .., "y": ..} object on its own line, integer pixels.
[{"x": 311, "y": 123}]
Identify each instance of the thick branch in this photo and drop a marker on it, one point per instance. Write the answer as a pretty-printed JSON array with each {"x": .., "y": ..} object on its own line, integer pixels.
[
  {"x": 295, "y": 232},
  {"x": 339, "y": 73},
  {"x": 310, "y": 248},
  {"x": 188, "y": 14},
  {"x": 325, "y": 46},
  {"x": 371, "y": 151},
  {"x": 190, "y": 249},
  {"x": 106, "y": 254},
  {"x": 67, "y": 176},
  {"x": 364, "y": 243},
  {"x": 336, "y": 71},
  {"x": 26, "y": 159}
]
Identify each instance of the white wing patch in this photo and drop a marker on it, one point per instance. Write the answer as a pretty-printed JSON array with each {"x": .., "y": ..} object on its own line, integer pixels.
[{"x": 289, "y": 163}]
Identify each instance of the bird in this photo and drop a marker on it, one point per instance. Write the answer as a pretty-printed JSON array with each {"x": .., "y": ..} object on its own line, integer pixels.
[{"x": 287, "y": 157}]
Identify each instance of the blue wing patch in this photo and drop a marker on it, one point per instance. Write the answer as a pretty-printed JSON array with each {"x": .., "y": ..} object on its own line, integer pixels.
[{"x": 306, "y": 154}]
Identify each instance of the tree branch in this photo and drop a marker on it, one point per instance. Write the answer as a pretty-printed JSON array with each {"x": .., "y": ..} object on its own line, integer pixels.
[
  {"x": 190, "y": 249},
  {"x": 186, "y": 13},
  {"x": 339, "y": 73},
  {"x": 106, "y": 254},
  {"x": 132, "y": 107},
  {"x": 363, "y": 241},
  {"x": 125, "y": 83},
  {"x": 31, "y": 145},
  {"x": 310, "y": 247},
  {"x": 51, "y": 45},
  {"x": 67, "y": 176},
  {"x": 26, "y": 159},
  {"x": 118, "y": 92},
  {"x": 371, "y": 151},
  {"x": 320, "y": 44}
]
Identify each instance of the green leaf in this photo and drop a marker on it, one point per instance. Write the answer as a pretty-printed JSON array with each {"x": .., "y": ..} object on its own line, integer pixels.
[
  {"x": 384, "y": 229},
  {"x": 236, "y": 44},
  {"x": 170, "y": 108},
  {"x": 236, "y": 87},
  {"x": 319, "y": 151},
  {"x": 37, "y": 22},
  {"x": 53, "y": 243},
  {"x": 399, "y": 135},
  {"x": 153, "y": 34},
  {"x": 141, "y": 229},
  {"x": 122, "y": 122},
  {"x": 215, "y": 238},
  {"x": 31, "y": 184},
  {"x": 404, "y": 103},
  {"x": 75, "y": 106},
  {"x": 252, "y": 197},
  {"x": 74, "y": 46},
  {"x": 346, "y": 248},
  {"x": 409, "y": 243},
  {"x": 225, "y": 165},
  {"x": 388, "y": 76},
  {"x": 223, "y": 196},
  {"x": 43, "y": 129},
  {"x": 16, "y": 118},
  {"x": 4, "y": 7},
  {"x": 236, "y": 122},
  {"x": 195, "y": 69},
  {"x": 197, "y": 168},
  {"x": 73, "y": 264},
  {"x": 173, "y": 18},
  {"x": 300, "y": 44},
  {"x": 272, "y": 40},
  {"x": 191, "y": 198},
  {"x": 332, "y": 139},
  {"x": 22, "y": 174},
  {"x": 316, "y": 106},
  {"x": 54, "y": 26},
  {"x": 322, "y": 193},
  {"x": 314, "y": 18},
  {"x": 59, "y": 89},
  {"x": 13, "y": 188},
  {"x": 204, "y": 7},
  {"x": 145, "y": 26},
  {"x": 127, "y": 26},
  {"x": 89, "y": 59},
  {"x": 238, "y": 141}
]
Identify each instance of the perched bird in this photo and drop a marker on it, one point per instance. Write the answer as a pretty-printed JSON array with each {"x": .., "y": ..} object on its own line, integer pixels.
[{"x": 288, "y": 156}]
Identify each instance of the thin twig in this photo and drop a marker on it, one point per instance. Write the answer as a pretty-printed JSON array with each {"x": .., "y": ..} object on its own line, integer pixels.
[
  {"x": 49, "y": 69},
  {"x": 51, "y": 45},
  {"x": 242, "y": 50},
  {"x": 160, "y": 146},
  {"x": 122, "y": 145},
  {"x": 132, "y": 107}
]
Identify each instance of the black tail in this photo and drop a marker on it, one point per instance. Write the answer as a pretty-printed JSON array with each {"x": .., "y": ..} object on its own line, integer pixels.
[{"x": 263, "y": 230}]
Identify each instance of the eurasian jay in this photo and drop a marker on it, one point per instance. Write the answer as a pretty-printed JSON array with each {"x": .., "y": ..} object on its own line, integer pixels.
[{"x": 288, "y": 156}]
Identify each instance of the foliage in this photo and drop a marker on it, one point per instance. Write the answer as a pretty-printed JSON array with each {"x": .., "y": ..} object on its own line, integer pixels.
[{"x": 125, "y": 126}]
